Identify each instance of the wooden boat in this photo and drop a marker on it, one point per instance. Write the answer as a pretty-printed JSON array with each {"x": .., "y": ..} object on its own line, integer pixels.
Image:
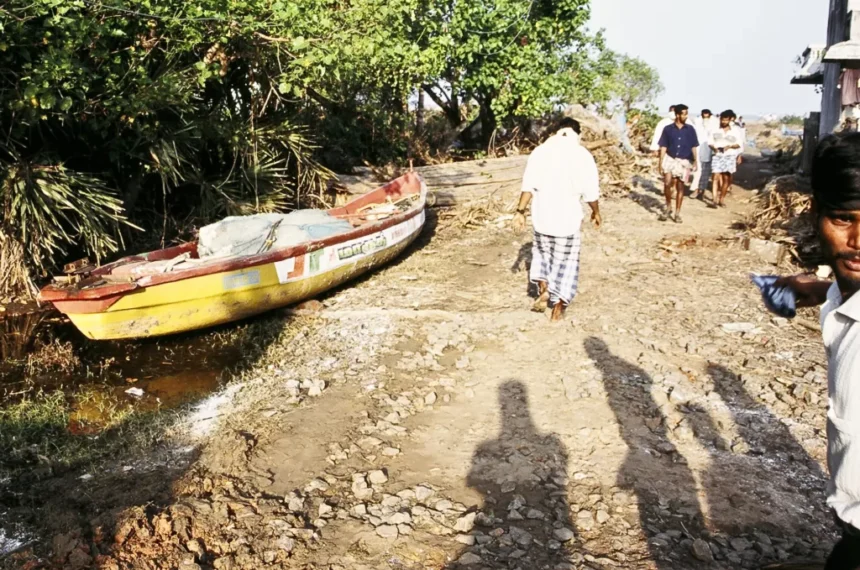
[{"x": 113, "y": 302}]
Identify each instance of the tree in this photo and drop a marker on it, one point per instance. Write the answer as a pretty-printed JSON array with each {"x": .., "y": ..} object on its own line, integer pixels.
[
  {"x": 633, "y": 83},
  {"x": 512, "y": 57},
  {"x": 592, "y": 73},
  {"x": 157, "y": 111},
  {"x": 166, "y": 114}
]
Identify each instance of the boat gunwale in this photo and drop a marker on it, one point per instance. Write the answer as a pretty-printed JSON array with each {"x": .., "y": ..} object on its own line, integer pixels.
[{"x": 51, "y": 293}]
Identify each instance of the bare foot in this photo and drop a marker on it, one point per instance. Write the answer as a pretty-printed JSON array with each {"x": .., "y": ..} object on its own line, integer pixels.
[
  {"x": 542, "y": 303},
  {"x": 557, "y": 313}
]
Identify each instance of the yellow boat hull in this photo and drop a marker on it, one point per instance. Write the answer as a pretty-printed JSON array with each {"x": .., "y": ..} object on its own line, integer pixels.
[{"x": 218, "y": 298}]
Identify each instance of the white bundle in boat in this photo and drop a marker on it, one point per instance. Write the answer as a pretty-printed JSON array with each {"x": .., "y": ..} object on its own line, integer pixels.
[{"x": 239, "y": 236}]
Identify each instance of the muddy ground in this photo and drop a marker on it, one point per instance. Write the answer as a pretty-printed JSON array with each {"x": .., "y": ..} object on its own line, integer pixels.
[{"x": 424, "y": 418}]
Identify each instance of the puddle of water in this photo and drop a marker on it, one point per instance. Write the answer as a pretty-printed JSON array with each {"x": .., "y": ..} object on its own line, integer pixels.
[
  {"x": 100, "y": 407},
  {"x": 177, "y": 389},
  {"x": 105, "y": 381}
]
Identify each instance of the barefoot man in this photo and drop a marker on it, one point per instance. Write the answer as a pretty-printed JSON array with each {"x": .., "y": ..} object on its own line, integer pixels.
[
  {"x": 679, "y": 153},
  {"x": 559, "y": 174},
  {"x": 726, "y": 143},
  {"x": 836, "y": 203}
]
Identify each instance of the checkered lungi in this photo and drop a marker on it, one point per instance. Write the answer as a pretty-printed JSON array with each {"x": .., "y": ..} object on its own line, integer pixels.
[
  {"x": 555, "y": 260},
  {"x": 725, "y": 163},
  {"x": 702, "y": 178},
  {"x": 680, "y": 168}
]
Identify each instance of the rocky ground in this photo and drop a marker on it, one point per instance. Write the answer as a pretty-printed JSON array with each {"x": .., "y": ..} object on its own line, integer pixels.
[{"x": 424, "y": 418}]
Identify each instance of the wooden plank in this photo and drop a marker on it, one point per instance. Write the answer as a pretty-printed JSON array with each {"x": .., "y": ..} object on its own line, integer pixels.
[
  {"x": 453, "y": 183},
  {"x": 458, "y": 183}
]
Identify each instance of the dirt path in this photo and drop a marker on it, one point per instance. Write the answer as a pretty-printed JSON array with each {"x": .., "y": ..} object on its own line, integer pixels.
[{"x": 427, "y": 419}]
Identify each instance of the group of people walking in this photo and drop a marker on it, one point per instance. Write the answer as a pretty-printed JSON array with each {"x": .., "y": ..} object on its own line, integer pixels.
[
  {"x": 703, "y": 155},
  {"x": 561, "y": 174}
]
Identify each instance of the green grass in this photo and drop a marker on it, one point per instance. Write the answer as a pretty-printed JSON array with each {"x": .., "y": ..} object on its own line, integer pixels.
[
  {"x": 35, "y": 428},
  {"x": 35, "y": 431}
]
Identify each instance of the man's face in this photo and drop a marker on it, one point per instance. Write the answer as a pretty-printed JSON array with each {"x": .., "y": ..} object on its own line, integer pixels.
[
  {"x": 706, "y": 116},
  {"x": 725, "y": 122},
  {"x": 682, "y": 116},
  {"x": 840, "y": 239}
]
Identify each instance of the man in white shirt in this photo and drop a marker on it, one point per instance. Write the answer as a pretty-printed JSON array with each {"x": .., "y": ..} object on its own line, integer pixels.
[
  {"x": 704, "y": 124},
  {"x": 559, "y": 174},
  {"x": 836, "y": 195},
  {"x": 661, "y": 126},
  {"x": 726, "y": 144}
]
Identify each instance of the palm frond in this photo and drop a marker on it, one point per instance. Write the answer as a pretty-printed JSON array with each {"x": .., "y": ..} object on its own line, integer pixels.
[{"x": 49, "y": 208}]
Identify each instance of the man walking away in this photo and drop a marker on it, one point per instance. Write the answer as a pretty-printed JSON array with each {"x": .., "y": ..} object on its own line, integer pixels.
[
  {"x": 701, "y": 180},
  {"x": 658, "y": 130},
  {"x": 726, "y": 144},
  {"x": 679, "y": 153},
  {"x": 836, "y": 206},
  {"x": 559, "y": 173}
]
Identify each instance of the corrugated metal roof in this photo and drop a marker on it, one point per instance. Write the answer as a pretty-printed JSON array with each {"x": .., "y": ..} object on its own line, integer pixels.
[{"x": 812, "y": 66}]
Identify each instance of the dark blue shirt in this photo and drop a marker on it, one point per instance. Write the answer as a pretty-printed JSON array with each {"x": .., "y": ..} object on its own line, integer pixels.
[{"x": 679, "y": 142}]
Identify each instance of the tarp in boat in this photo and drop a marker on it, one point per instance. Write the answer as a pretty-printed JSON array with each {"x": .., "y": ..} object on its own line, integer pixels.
[{"x": 239, "y": 236}]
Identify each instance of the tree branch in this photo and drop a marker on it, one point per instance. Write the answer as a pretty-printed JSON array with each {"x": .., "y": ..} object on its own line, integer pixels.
[{"x": 451, "y": 109}]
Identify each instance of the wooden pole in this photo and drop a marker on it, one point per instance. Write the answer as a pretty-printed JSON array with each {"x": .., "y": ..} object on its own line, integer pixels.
[
  {"x": 831, "y": 98},
  {"x": 811, "y": 130}
]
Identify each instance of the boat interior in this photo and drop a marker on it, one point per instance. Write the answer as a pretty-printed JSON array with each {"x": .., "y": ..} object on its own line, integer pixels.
[{"x": 396, "y": 197}]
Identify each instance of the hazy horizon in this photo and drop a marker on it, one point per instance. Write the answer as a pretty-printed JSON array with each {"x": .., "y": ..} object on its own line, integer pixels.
[{"x": 745, "y": 64}]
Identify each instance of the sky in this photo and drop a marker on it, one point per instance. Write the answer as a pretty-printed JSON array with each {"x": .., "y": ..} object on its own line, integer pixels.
[{"x": 720, "y": 54}]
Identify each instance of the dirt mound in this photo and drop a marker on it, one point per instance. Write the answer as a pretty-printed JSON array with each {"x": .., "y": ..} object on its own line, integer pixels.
[
  {"x": 783, "y": 215},
  {"x": 215, "y": 522}
]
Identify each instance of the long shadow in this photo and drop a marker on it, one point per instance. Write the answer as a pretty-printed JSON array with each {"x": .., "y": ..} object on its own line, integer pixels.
[
  {"x": 524, "y": 259},
  {"x": 524, "y": 263},
  {"x": 763, "y": 434},
  {"x": 651, "y": 198},
  {"x": 522, "y": 476},
  {"x": 653, "y": 469}
]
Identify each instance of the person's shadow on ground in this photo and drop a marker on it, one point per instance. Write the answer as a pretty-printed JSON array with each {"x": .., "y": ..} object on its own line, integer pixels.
[
  {"x": 653, "y": 469},
  {"x": 522, "y": 476},
  {"x": 762, "y": 493}
]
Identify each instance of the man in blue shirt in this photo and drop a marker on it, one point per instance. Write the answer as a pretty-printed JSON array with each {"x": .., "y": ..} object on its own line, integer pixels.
[{"x": 679, "y": 155}]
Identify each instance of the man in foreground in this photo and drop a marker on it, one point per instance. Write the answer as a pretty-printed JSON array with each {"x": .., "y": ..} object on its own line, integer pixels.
[
  {"x": 836, "y": 194},
  {"x": 679, "y": 153},
  {"x": 559, "y": 173}
]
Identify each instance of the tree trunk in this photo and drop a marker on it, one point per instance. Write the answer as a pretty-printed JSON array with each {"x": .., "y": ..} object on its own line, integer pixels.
[
  {"x": 488, "y": 121},
  {"x": 451, "y": 108},
  {"x": 419, "y": 114}
]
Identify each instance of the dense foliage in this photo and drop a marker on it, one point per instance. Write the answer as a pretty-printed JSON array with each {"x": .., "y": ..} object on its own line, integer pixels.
[
  {"x": 513, "y": 57},
  {"x": 162, "y": 114},
  {"x": 632, "y": 83}
]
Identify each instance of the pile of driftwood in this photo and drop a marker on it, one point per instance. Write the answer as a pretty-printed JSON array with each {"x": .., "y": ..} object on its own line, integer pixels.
[
  {"x": 602, "y": 137},
  {"x": 783, "y": 215},
  {"x": 482, "y": 190},
  {"x": 460, "y": 183}
]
